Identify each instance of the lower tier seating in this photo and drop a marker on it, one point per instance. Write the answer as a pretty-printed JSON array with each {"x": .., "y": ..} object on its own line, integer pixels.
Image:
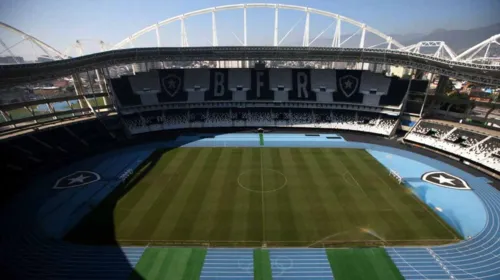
[{"x": 257, "y": 117}]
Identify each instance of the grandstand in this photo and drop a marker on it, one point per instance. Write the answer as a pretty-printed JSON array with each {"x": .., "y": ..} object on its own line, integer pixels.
[
  {"x": 471, "y": 144},
  {"x": 250, "y": 162}
]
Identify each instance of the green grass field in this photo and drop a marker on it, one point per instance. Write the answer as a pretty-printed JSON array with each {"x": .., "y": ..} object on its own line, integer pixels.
[
  {"x": 187, "y": 263},
  {"x": 262, "y": 197},
  {"x": 367, "y": 264}
]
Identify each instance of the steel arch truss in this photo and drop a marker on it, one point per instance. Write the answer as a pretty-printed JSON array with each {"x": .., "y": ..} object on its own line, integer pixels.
[
  {"x": 485, "y": 47},
  {"x": 336, "y": 18},
  {"x": 44, "y": 47},
  {"x": 438, "y": 49}
]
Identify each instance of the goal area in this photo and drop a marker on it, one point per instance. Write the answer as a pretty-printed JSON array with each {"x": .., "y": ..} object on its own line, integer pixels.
[{"x": 396, "y": 175}]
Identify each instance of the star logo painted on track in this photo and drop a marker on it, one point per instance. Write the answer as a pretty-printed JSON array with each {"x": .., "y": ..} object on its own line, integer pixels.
[
  {"x": 446, "y": 180},
  {"x": 80, "y": 179},
  {"x": 77, "y": 179}
]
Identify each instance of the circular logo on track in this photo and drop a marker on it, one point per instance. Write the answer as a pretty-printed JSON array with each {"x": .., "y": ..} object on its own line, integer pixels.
[
  {"x": 77, "y": 179},
  {"x": 446, "y": 180}
]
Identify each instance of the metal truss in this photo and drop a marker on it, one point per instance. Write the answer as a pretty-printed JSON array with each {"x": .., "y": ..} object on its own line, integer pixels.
[
  {"x": 442, "y": 50},
  {"x": 471, "y": 55},
  {"x": 44, "y": 47},
  {"x": 336, "y": 19},
  {"x": 80, "y": 48},
  {"x": 443, "y": 61}
]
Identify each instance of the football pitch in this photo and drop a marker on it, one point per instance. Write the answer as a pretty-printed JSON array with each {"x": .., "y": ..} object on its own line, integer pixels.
[{"x": 262, "y": 197}]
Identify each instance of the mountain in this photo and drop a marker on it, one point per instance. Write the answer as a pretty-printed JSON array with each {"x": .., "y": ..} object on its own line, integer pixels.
[{"x": 458, "y": 40}]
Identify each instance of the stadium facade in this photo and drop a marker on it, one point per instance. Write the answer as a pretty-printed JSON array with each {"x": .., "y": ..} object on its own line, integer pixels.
[{"x": 122, "y": 97}]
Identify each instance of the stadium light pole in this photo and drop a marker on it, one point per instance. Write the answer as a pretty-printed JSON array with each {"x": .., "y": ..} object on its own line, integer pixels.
[
  {"x": 305, "y": 41},
  {"x": 158, "y": 44},
  {"x": 363, "y": 33},
  {"x": 336, "y": 36},
  {"x": 215, "y": 43},
  {"x": 245, "y": 32},
  {"x": 245, "y": 26},
  {"x": 275, "y": 43}
]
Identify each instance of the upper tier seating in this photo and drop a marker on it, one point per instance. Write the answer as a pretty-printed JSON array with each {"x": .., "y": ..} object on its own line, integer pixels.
[{"x": 471, "y": 145}]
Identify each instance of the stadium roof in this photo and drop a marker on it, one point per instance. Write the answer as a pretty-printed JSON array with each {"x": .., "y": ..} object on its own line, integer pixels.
[{"x": 25, "y": 73}]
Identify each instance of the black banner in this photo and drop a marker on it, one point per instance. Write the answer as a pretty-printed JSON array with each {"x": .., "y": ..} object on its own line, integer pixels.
[
  {"x": 219, "y": 81},
  {"x": 172, "y": 85},
  {"x": 348, "y": 82},
  {"x": 123, "y": 91},
  {"x": 260, "y": 88},
  {"x": 301, "y": 86}
]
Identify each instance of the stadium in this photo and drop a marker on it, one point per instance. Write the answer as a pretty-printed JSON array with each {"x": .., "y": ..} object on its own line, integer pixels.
[{"x": 251, "y": 162}]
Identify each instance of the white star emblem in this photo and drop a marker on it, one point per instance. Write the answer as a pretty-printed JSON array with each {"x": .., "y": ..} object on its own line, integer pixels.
[
  {"x": 347, "y": 84},
  {"x": 80, "y": 179},
  {"x": 171, "y": 83},
  {"x": 445, "y": 180}
]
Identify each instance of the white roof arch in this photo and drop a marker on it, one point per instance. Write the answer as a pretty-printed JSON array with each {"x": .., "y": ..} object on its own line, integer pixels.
[{"x": 258, "y": 5}]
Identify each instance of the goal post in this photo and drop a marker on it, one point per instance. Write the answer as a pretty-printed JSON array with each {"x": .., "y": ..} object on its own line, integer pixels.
[{"x": 396, "y": 175}]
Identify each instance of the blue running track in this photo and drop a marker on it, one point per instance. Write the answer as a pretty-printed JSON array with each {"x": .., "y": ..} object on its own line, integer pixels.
[
  {"x": 230, "y": 264},
  {"x": 289, "y": 264},
  {"x": 33, "y": 225}
]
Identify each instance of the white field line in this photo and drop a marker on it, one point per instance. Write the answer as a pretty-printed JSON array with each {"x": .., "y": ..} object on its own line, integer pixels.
[
  {"x": 153, "y": 241},
  {"x": 355, "y": 181},
  {"x": 262, "y": 200},
  {"x": 426, "y": 207}
]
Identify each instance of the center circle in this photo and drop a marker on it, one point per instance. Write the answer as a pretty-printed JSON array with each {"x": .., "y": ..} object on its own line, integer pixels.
[{"x": 263, "y": 180}]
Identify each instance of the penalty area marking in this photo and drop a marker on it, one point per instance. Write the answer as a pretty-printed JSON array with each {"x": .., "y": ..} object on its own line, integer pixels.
[
  {"x": 355, "y": 181},
  {"x": 262, "y": 181}
]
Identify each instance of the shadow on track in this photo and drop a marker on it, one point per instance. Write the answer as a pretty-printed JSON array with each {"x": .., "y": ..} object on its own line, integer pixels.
[{"x": 27, "y": 251}]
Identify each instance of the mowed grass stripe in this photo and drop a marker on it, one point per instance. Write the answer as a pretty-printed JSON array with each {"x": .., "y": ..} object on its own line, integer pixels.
[
  {"x": 254, "y": 212},
  {"x": 196, "y": 192},
  {"x": 279, "y": 205},
  {"x": 299, "y": 211},
  {"x": 242, "y": 202},
  {"x": 262, "y": 265},
  {"x": 352, "y": 200},
  {"x": 192, "y": 195},
  {"x": 310, "y": 198},
  {"x": 421, "y": 222},
  {"x": 157, "y": 207},
  {"x": 172, "y": 212},
  {"x": 205, "y": 220},
  {"x": 147, "y": 183},
  {"x": 130, "y": 209},
  {"x": 388, "y": 195},
  {"x": 362, "y": 264},
  {"x": 170, "y": 263},
  {"x": 148, "y": 264},
  {"x": 370, "y": 197},
  {"x": 224, "y": 203},
  {"x": 323, "y": 182}
]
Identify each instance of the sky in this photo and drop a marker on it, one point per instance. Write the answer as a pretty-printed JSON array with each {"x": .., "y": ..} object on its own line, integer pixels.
[{"x": 60, "y": 23}]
